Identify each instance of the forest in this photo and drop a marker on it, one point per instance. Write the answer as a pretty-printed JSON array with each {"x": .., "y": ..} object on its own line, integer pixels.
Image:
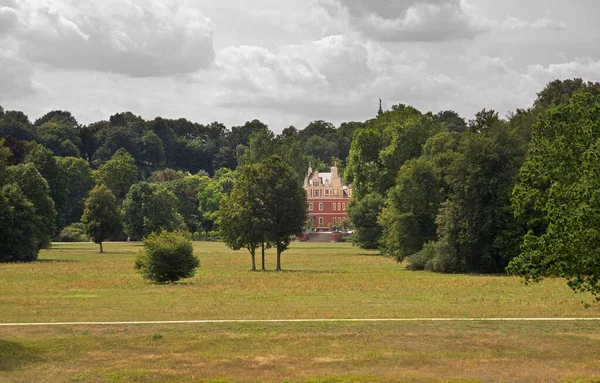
[{"x": 490, "y": 194}]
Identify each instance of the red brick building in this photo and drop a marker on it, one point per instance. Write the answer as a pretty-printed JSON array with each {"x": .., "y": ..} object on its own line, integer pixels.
[{"x": 327, "y": 197}]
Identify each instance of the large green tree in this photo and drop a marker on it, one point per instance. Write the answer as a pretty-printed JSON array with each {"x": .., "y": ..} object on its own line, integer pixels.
[
  {"x": 19, "y": 235},
  {"x": 118, "y": 174},
  {"x": 408, "y": 220},
  {"x": 241, "y": 220},
  {"x": 101, "y": 216},
  {"x": 150, "y": 208},
  {"x": 283, "y": 202},
  {"x": 364, "y": 214},
  {"x": 45, "y": 162},
  {"x": 477, "y": 231},
  {"x": 35, "y": 189},
  {"x": 558, "y": 196}
]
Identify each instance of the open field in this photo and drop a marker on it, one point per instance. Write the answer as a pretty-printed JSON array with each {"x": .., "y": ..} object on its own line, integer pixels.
[{"x": 73, "y": 282}]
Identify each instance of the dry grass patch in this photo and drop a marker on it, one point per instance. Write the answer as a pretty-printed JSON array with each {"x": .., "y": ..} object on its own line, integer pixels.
[{"x": 303, "y": 352}]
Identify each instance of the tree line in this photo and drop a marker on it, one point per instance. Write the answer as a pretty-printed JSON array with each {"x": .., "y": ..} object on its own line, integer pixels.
[{"x": 486, "y": 195}]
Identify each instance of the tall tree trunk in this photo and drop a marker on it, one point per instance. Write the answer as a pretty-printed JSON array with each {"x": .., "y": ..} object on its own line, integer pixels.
[
  {"x": 278, "y": 259},
  {"x": 253, "y": 253},
  {"x": 101, "y": 248},
  {"x": 263, "y": 255}
]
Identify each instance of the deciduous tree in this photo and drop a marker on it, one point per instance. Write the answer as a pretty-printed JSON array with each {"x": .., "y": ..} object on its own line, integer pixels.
[{"x": 101, "y": 215}]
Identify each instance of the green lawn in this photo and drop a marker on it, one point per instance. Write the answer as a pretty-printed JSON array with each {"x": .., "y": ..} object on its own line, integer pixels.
[{"x": 74, "y": 282}]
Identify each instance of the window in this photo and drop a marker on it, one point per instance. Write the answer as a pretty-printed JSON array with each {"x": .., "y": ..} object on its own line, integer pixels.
[
  {"x": 339, "y": 207},
  {"x": 334, "y": 206},
  {"x": 320, "y": 206},
  {"x": 334, "y": 221},
  {"x": 344, "y": 206},
  {"x": 310, "y": 206},
  {"x": 320, "y": 221}
]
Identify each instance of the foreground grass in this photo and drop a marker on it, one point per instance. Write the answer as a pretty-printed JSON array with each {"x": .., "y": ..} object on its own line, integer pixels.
[
  {"x": 73, "y": 282},
  {"x": 303, "y": 352}
]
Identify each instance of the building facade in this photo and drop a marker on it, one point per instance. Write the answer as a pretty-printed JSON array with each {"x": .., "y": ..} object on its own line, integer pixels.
[{"x": 327, "y": 198}]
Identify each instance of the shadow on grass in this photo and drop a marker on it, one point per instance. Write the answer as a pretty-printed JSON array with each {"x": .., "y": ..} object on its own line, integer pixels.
[{"x": 14, "y": 355}]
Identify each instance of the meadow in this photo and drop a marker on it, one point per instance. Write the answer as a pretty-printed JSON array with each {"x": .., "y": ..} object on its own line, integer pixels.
[{"x": 75, "y": 283}]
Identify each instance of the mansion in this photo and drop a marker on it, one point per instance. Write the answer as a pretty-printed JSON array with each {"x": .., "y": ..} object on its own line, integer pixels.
[{"x": 327, "y": 198}]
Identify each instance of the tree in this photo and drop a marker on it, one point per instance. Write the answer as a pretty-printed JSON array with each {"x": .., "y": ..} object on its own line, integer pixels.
[
  {"x": 283, "y": 203},
  {"x": 363, "y": 213},
  {"x": 557, "y": 196},
  {"x": 47, "y": 165},
  {"x": 118, "y": 174},
  {"x": 80, "y": 181},
  {"x": 262, "y": 145},
  {"x": 18, "y": 226},
  {"x": 153, "y": 151},
  {"x": 150, "y": 208},
  {"x": 167, "y": 257},
  {"x": 321, "y": 148},
  {"x": 240, "y": 219},
  {"x": 16, "y": 125},
  {"x": 101, "y": 215},
  {"x": 408, "y": 220},
  {"x": 35, "y": 189},
  {"x": 63, "y": 140},
  {"x": 186, "y": 190},
  {"x": 477, "y": 231},
  {"x": 210, "y": 196}
]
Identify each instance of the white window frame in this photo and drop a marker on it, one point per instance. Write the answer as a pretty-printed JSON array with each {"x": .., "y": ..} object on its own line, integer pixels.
[
  {"x": 320, "y": 205},
  {"x": 310, "y": 206}
]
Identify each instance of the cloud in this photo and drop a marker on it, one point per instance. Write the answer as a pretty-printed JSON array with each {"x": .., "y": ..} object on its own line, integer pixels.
[
  {"x": 404, "y": 20},
  {"x": 329, "y": 71},
  {"x": 8, "y": 19},
  {"x": 138, "y": 39},
  {"x": 335, "y": 76},
  {"x": 580, "y": 67},
  {"x": 514, "y": 24},
  {"x": 422, "y": 20},
  {"x": 15, "y": 77}
]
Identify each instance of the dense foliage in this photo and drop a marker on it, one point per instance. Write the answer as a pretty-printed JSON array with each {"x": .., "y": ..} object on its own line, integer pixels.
[
  {"x": 167, "y": 257},
  {"x": 558, "y": 196}
]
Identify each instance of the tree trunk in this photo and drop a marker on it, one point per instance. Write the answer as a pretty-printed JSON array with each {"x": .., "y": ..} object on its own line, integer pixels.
[
  {"x": 101, "y": 248},
  {"x": 278, "y": 259},
  {"x": 253, "y": 253},
  {"x": 263, "y": 256}
]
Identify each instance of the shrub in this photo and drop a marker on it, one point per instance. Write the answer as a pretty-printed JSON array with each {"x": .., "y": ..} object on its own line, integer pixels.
[
  {"x": 167, "y": 257},
  {"x": 73, "y": 233},
  {"x": 424, "y": 259}
]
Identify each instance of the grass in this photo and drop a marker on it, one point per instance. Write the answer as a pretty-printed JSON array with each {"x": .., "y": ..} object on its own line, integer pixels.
[{"x": 73, "y": 282}]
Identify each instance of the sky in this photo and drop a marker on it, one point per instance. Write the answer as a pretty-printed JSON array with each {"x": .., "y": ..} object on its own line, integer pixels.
[{"x": 288, "y": 62}]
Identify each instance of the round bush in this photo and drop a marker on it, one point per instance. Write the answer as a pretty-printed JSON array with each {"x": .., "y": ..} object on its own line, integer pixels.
[{"x": 167, "y": 257}]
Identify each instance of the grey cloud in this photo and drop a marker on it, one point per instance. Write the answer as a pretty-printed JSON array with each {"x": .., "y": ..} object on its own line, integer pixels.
[
  {"x": 120, "y": 36},
  {"x": 424, "y": 20},
  {"x": 15, "y": 78},
  {"x": 8, "y": 19},
  {"x": 406, "y": 20}
]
